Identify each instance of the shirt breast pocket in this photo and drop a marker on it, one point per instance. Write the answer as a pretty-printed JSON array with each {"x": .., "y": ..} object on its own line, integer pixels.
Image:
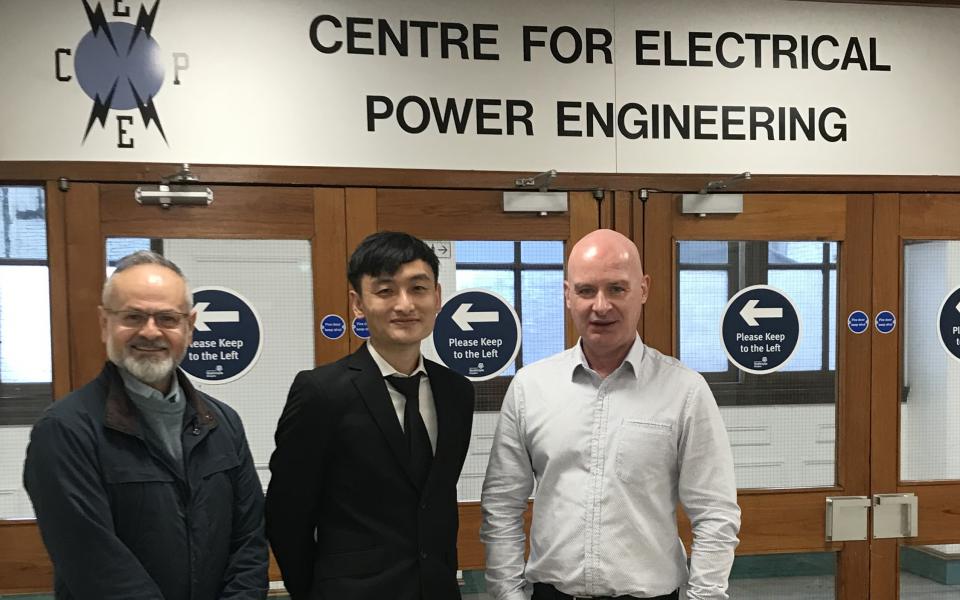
[{"x": 645, "y": 450}]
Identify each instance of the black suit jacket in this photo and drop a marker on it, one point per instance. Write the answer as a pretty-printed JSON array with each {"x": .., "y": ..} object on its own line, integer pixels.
[{"x": 344, "y": 517}]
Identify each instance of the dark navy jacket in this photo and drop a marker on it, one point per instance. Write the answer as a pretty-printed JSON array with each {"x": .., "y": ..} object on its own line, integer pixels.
[{"x": 121, "y": 520}]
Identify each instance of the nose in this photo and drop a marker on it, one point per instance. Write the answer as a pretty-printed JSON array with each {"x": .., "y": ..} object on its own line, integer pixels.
[
  {"x": 600, "y": 303},
  {"x": 150, "y": 329},
  {"x": 404, "y": 301}
]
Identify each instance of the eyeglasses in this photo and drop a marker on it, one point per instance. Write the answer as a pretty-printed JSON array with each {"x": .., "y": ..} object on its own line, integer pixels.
[{"x": 136, "y": 319}]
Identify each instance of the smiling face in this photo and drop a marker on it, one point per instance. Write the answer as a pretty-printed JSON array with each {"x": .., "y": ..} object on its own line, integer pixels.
[
  {"x": 605, "y": 291},
  {"x": 149, "y": 352},
  {"x": 401, "y": 308}
]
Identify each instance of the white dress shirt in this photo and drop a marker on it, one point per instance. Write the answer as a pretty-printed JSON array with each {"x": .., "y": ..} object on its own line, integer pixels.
[
  {"x": 611, "y": 458},
  {"x": 427, "y": 409}
]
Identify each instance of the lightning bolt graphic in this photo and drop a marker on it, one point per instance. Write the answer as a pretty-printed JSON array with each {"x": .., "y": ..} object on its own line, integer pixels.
[
  {"x": 98, "y": 22},
  {"x": 101, "y": 110},
  {"x": 147, "y": 111},
  {"x": 144, "y": 23}
]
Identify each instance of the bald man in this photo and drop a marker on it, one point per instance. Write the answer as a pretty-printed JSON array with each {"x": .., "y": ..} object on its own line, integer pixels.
[
  {"x": 614, "y": 434},
  {"x": 144, "y": 487}
]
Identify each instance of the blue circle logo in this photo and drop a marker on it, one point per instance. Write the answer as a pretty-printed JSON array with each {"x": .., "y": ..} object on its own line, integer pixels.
[
  {"x": 760, "y": 329},
  {"x": 227, "y": 336},
  {"x": 858, "y": 321},
  {"x": 333, "y": 327},
  {"x": 124, "y": 66},
  {"x": 948, "y": 323},
  {"x": 885, "y": 321},
  {"x": 477, "y": 334},
  {"x": 360, "y": 328}
]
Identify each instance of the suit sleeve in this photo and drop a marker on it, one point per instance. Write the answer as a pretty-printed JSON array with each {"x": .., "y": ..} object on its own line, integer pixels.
[
  {"x": 245, "y": 577},
  {"x": 62, "y": 476},
  {"x": 296, "y": 480}
]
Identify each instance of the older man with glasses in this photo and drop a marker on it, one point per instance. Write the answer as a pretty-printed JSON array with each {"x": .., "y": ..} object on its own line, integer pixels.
[{"x": 143, "y": 486}]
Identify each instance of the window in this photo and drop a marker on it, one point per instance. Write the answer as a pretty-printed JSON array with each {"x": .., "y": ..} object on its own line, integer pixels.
[
  {"x": 528, "y": 275},
  {"x": 711, "y": 272},
  {"x": 25, "y": 351}
]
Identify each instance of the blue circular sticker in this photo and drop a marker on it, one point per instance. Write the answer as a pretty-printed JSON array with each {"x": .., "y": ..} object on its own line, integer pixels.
[
  {"x": 227, "y": 336},
  {"x": 760, "y": 329},
  {"x": 333, "y": 327},
  {"x": 948, "y": 323},
  {"x": 858, "y": 321},
  {"x": 886, "y": 321},
  {"x": 477, "y": 334},
  {"x": 360, "y": 328}
]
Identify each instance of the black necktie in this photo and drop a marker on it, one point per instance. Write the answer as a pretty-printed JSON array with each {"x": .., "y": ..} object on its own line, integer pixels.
[{"x": 421, "y": 453}]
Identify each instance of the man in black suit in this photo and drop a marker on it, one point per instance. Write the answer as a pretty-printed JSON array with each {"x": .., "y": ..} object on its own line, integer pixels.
[{"x": 362, "y": 502}]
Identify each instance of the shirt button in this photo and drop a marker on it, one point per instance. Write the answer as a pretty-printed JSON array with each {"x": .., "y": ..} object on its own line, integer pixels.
[{"x": 196, "y": 431}]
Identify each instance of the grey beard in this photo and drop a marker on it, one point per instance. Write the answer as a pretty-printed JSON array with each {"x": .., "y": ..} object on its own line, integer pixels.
[{"x": 146, "y": 370}]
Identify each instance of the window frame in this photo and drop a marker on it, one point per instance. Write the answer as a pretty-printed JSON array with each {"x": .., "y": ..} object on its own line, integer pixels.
[{"x": 748, "y": 264}]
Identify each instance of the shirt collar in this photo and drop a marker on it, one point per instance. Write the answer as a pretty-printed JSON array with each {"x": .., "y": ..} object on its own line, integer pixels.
[
  {"x": 631, "y": 362},
  {"x": 135, "y": 386},
  {"x": 387, "y": 369}
]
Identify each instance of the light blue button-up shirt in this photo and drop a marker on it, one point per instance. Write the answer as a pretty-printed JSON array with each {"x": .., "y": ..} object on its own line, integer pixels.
[{"x": 611, "y": 458}]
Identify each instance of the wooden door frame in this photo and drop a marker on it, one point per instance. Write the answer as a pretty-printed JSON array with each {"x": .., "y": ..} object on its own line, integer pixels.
[{"x": 791, "y": 520}]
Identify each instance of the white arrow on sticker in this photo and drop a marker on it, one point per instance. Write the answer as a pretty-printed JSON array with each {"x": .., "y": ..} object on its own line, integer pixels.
[
  {"x": 958, "y": 307},
  {"x": 462, "y": 317},
  {"x": 205, "y": 316},
  {"x": 751, "y": 313}
]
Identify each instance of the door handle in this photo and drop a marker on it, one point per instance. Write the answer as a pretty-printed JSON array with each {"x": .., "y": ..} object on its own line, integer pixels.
[{"x": 895, "y": 516}]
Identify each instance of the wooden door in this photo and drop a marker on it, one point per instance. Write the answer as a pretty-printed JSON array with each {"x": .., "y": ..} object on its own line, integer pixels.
[{"x": 783, "y": 522}]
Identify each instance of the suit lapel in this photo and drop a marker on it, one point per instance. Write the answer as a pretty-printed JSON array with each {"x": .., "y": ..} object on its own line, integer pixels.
[{"x": 368, "y": 380}]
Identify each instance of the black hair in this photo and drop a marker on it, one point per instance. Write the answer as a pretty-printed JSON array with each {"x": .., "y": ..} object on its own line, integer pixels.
[{"x": 384, "y": 252}]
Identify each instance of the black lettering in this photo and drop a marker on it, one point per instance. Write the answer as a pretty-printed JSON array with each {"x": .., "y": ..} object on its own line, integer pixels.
[
  {"x": 640, "y": 123},
  {"x": 400, "y": 43},
  {"x": 353, "y": 34},
  {"x": 601, "y": 45},
  {"x": 726, "y": 120},
  {"x": 483, "y": 115},
  {"x": 479, "y": 41},
  {"x": 402, "y": 114},
  {"x": 447, "y": 39},
  {"x": 680, "y": 123},
  {"x": 668, "y": 52},
  {"x": 804, "y": 52},
  {"x": 696, "y": 49},
  {"x": 854, "y": 54},
  {"x": 756, "y": 122},
  {"x": 699, "y": 120},
  {"x": 555, "y": 44},
  {"x": 784, "y": 46},
  {"x": 603, "y": 121},
  {"x": 642, "y": 46},
  {"x": 796, "y": 120},
  {"x": 124, "y": 141},
  {"x": 56, "y": 64},
  {"x": 563, "y": 118},
  {"x": 514, "y": 116},
  {"x": 450, "y": 111},
  {"x": 874, "y": 65},
  {"x": 373, "y": 114},
  {"x": 815, "y": 52},
  {"x": 315, "y": 38},
  {"x": 529, "y": 42},
  {"x": 757, "y": 39},
  {"x": 721, "y": 57},
  {"x": 424, "y": 27},
  {"x": 116, "y": 9},
  {"x": 839, "y": 133}
]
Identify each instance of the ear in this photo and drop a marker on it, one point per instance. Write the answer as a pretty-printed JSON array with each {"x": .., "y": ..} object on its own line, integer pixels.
[
  {"x": 644, "y": 289},
  {"x": 102, "y": 317},
  {"x": 191, "y": 323},
  {"x": 356, "y": 303},
  {"x": 439, "y": 297},
  {"x": 566, "y": 293}
]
